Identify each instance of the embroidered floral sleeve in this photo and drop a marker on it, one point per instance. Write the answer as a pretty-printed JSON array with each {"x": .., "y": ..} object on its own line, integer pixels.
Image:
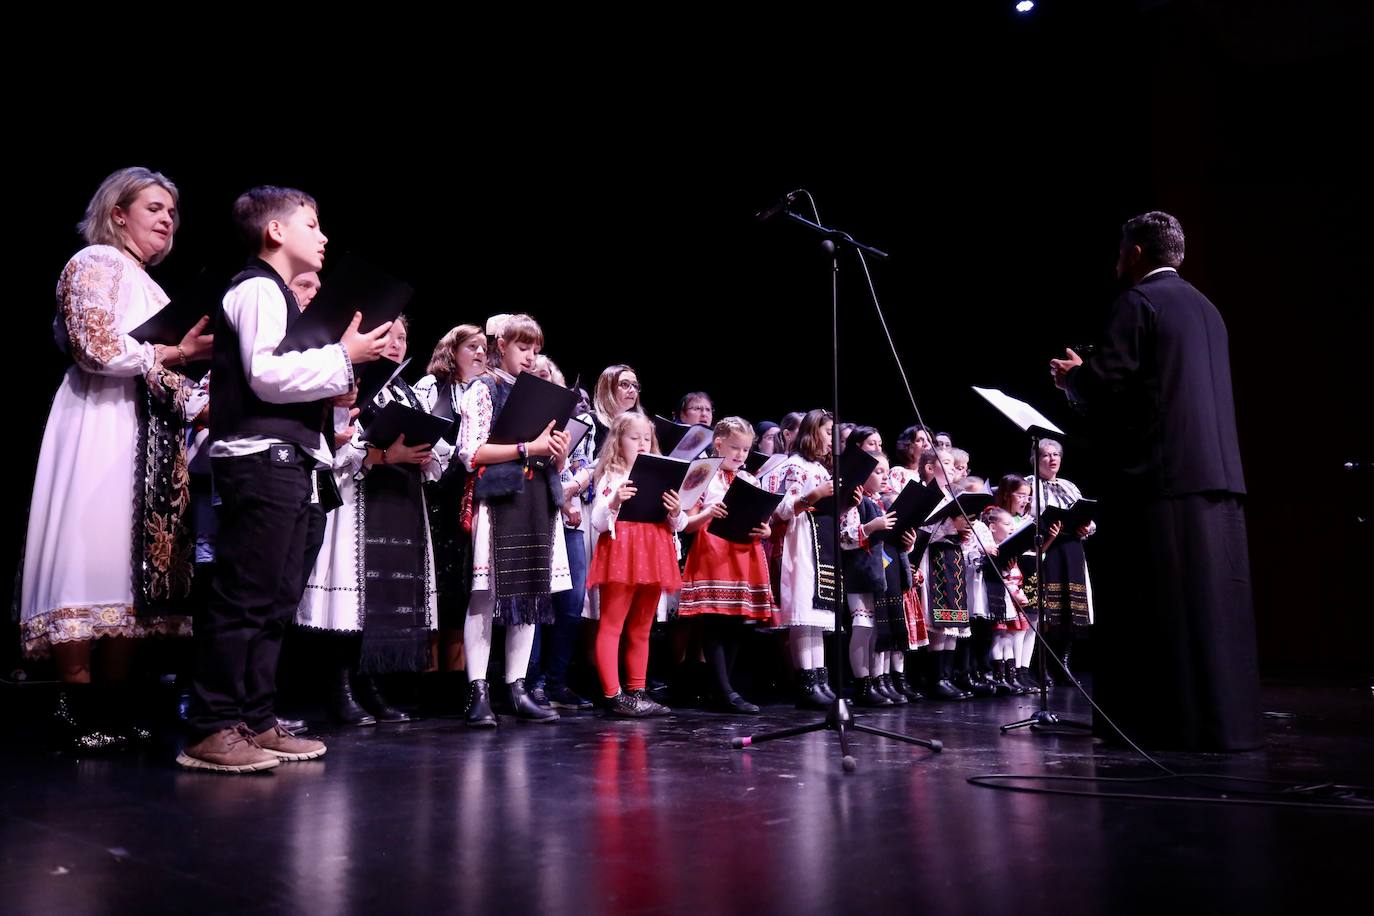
[
  {"x": 851, "y": 530},
  {"x": 89, "y": 308},
  {"x": 197, "y": 397},
  {"x": 474, "y": 423},
  {"x": 442, "y": 454},
  {"x": 795, "y": 485},
  {"x": 983, "y": 535},
  {"x": 349, "y": 459},
  {"x": 603, "y": 518},
  {"x": 427, "y": 390}
]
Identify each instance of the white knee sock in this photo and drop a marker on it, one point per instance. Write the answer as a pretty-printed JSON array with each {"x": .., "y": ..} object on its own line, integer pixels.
[
  {"x": 519, "y": 644},
  {"x": 477, "y": 634},
  {"x": 799, "y": 641},
  {"x": 882, "y": 664},
  {"x": 1025, "y": 644},
  {"x": 816, "y": 641},
  {"x": 861, "y": 651}
]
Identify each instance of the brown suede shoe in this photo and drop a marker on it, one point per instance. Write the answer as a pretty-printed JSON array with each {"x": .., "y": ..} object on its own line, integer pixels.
[
  {"x": 285, "y": 746},
  {"x": 229, "y": 750}
]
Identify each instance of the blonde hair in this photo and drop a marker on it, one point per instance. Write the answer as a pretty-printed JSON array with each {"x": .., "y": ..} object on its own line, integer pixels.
[
  {"x": 555, "y": 374},
  {"x": 514, "y": 329},
  {"x": 121, "y": 189},
  {"x": 604, "y": 401},
  {"x": 612, "y": 460},
  {"x": 731, "y": 425},
  {"x": 443, "y": 365},
  {"x": 992, "y": 513}
]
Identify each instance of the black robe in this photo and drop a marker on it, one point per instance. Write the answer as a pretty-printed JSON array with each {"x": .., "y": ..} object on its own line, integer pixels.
[{"x": 1175, "y": 628}]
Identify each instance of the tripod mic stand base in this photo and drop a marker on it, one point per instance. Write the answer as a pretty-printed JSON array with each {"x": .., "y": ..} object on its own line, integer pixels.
[{"x": 841, "y": 721}]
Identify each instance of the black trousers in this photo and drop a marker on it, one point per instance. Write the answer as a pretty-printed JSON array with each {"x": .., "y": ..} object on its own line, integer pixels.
[
  {"x": 260, "y": 573},
  {"x": 314, "y": 538},
  {"x": 1176, "y": 660}
]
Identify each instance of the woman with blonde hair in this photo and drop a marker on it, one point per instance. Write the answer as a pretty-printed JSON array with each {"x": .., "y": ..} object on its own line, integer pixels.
[
  {"x": 108, "y": 556},
  {"x": 617, "y": 391}
]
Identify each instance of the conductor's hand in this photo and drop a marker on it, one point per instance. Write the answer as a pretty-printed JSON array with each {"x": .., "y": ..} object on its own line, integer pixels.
[{"x": 1059, "y": 368}]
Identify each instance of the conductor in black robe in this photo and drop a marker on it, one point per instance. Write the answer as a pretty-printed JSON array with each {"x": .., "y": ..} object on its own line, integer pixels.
[{"x": 1175, "y": 629}]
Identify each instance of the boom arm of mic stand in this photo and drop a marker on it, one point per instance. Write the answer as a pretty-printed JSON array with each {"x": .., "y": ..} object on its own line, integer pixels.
[{"x": 840, "y": 238}]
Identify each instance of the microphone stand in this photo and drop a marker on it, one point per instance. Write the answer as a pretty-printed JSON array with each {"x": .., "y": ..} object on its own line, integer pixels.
[{"x": 839, "y": 718}]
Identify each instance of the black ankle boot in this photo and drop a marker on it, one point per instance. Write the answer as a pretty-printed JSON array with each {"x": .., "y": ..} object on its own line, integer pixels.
[
  {"x": 1064, "y": 677},
  {"x": 998, "y": 680},
  {"x": 866, "y": 693},
  {"x": 1061, "y": 644},
  {"x": 809, "y": 695},
  {"x": 892, "y": 693},
  {"x": 479, "y": 714},
  {"x": 526, "y": 710},
  {"x": 73, "y": 728},
  {"x": 823, "y": 682},
  {"x": 370, "y": 698},
  {"x": 970, "y": 683},
  {"x": 343, "y": 709},
  {"x": 946, "y": 689},
  {"x": 1012, "y": 681},
  {"x": 906, "y": 688}
]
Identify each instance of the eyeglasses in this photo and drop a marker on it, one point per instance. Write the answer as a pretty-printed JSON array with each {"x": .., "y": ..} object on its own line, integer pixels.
[{"x": 628, "y": 385}]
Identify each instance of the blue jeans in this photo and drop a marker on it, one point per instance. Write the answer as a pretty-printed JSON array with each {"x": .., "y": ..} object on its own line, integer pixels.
[{"x": 567, "y": 607}]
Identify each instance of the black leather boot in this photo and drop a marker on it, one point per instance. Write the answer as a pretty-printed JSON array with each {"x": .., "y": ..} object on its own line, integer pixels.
[
  {"x": 866, "y": 693},
  {"x": 73, "y": 728},
  {"x": 906, "y": 688},
  {"x": 892, "y": 693},
  {"x": 823, "y": 683},
  {"x": 526, "y": 710},
  {"x": 343, "y": 709},
  {"x": 809, "y": 695},
  {"x": 479, "y": 714},
  {"x": 370, "y": 698}
]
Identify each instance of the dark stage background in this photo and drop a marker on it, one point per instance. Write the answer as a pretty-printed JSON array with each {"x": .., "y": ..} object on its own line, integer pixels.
[{"x": 609, "y": 191}]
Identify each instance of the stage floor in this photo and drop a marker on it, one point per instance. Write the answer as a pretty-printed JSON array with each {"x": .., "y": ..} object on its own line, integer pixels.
[{"x": 603, "y": 816}]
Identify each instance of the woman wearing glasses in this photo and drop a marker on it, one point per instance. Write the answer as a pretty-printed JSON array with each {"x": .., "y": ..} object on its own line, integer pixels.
[{"x": 617, "y": 391}]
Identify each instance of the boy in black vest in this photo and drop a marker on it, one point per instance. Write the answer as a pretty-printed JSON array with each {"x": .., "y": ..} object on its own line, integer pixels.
[{"x": 267, "y": 417}]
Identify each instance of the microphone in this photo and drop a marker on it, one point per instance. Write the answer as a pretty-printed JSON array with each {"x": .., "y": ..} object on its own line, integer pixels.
[{"x": 764, "y": 215}]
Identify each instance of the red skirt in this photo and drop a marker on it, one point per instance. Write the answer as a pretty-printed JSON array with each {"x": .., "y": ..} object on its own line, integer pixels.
[
  {"x": 915, "y": 618},
  {"x": 1013, "y": 626},
  {"x": 641, "y": 553},
  {"x": 723, "y": 577}
]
